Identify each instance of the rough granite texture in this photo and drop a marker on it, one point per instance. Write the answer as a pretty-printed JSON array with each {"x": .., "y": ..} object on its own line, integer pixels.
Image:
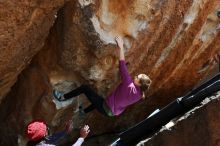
[{"x": 62, "y": 44}]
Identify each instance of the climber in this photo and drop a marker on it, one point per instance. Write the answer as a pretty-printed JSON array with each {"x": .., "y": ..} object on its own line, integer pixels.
[
  {"x": 128, "y": 92},
  {"x": 38, "y": 133}
]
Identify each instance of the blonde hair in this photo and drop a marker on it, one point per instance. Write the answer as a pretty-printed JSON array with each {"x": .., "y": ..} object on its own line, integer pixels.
[{"x": 145, "y": 83}]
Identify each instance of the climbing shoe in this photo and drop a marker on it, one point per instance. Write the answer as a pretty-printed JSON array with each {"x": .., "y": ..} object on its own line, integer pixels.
[{"x": 58, "y": 95}]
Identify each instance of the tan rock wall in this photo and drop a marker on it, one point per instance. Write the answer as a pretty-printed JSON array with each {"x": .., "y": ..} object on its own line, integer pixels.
[
  {"x": 172, "y": 41},
  {"x": 24, "y": 28}
]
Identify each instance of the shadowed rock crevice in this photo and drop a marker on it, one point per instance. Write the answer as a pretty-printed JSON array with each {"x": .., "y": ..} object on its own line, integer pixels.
[{"x": 197, "y": 127}]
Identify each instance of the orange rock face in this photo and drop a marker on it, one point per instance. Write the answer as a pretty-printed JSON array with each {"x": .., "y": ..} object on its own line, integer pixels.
[
  {"x": 24, "y": 28},
  {"x": 171, "y": 41}
]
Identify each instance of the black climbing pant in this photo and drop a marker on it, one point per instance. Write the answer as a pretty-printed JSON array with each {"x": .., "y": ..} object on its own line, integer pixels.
[{"x": 95, "y": 99}]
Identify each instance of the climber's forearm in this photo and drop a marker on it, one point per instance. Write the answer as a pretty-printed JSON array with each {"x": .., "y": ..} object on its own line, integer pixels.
[
  {"x": 121, "y": 54},
  {"x": 120, "y": 44}
]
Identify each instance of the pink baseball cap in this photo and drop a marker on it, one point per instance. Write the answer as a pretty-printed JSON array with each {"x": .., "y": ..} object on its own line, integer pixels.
[{"x": 36, "y": 130}]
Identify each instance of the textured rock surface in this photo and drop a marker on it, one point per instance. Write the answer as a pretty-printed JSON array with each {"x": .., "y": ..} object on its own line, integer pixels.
[
  {"x": 197, "y": 127},
  {"x": 172, "y": 41},
  {"x": 24, "y": 28}
]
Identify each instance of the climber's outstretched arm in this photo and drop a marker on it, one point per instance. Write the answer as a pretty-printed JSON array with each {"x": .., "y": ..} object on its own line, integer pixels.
[
  {"x": 120, "y": 44},
  {"x": 122, "y": 64}
]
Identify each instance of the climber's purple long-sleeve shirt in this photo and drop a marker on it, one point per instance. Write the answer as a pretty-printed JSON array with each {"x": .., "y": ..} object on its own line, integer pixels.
[{"x": 125, "y": 94}]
